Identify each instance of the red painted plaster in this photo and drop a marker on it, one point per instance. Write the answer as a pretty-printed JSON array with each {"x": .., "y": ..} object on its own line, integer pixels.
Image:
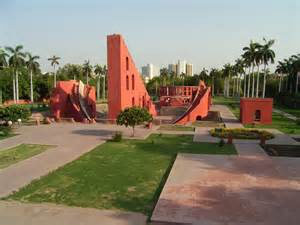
[
  {"x": 125, "y": 85},
  {"x": 248, "y": 107},
  {"x": 199, "y": 107},
  {"x": 64, "y": 101}
]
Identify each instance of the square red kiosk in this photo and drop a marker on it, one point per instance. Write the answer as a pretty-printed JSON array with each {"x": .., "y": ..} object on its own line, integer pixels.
[{"x": 256, "y": 110}]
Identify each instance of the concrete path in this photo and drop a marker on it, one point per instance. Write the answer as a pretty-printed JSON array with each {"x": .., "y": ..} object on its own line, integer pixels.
[
  {"x": 287, "y": 115},
  {"x": 15, "y": 213},
  {"x": 202, "y": 135},
  {"x": 249, "y": 189},
  {"x": 71, "y": 141},
  {"x": 227, "y": 116}
]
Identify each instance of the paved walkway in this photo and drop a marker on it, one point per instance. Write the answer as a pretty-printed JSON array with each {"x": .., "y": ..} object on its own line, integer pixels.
[
  {"x": 287, "y": 115},
  {"x": 249, "y": 189},
  {"x": 15, "y": 213},
  {"x": 227, "y": 116},
  {"x": 71, "y": 141}
]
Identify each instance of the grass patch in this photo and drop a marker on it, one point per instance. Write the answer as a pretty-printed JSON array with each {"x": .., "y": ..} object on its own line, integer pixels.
[
  {"x": 19, "y": 153},
  {"x": 279, "y": 122},
  {"x": 239, "y": 133},
  {"x": 208, "y": 124},
  {"x": 126, "y": 175},
  {"x": 294, "y": 112},
  {"x": 176, "y": 128}
]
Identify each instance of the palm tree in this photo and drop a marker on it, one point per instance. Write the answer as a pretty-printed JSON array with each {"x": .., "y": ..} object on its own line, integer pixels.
[
  {"x": 54, "y": 61},
  {"x": 227, "y": 70},
  {"x": 213, "y": 74},
  {"x": 32, "y": 66},
  {"x": 239, "y": 68},
  {"x": 104, "y": 73},
  {"x": 87, "y": 69},
  {"x": 98, "y": 72},
  {"x": 3, "y": 61},
  {"x": 258, "y": 61},
  {"x": 249, "y": 56},
  {"x": 16, "y": 60},
  {"x": 267, "y": 55},
  {"x": 281, "y": 70}
]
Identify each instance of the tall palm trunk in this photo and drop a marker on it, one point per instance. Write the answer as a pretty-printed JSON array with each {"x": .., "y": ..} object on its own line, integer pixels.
[
  {"x": 228, "y": 87},
  {"x": 245, "y": 80},
  {"x": 98, "y": 88},
  {"x": 257, "y": 81},
  {"x": 14, "y": 88},
  {"x": 87, "y": 78},
  {"x": 297, "y": 81},
  {"x": 31, "y": 87},
  {"x": 249, "y": 82},
  {"x": 253, "y": 82},
  {"x": 280, "y": 79},
  {"x": 213, "y": 86},
  {"x": 17, "y": 86},
  {"x": 265, "y": 74},
  {"x": 103, "y": 88},
  {"x": 54, "y": 80},
  {"x": 233, "y": 88}
]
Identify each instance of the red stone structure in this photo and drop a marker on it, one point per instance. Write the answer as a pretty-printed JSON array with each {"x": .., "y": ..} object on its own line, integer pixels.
[
  {"x": 72, "y": 99},
  {"x": 125, "y": 85},
  {"x": 177, "y": 95},
  {"x": 256, "y": 110},
  {"x": 199, "y": 106}
]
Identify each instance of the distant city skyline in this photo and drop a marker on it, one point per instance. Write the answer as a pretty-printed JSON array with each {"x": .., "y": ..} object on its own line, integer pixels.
[{"x": 211, "y": 33}]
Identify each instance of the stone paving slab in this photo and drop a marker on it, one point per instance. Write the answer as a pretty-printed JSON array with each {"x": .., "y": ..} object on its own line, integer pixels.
[
  {"x": 227, "y": 116},
  {"x": 15, "y": 213},
  {"x": 248, "y": 189}
]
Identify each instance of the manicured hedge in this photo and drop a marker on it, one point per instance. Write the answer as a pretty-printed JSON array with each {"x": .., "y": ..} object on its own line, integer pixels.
[
  {"x": 14, "y": 112},
  {"x": 241, "y": 133}
]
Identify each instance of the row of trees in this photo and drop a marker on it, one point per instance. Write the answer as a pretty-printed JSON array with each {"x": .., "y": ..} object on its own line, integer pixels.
[
  {"x": 18, "y": 66},
  {"x": 241, "y": 78}
]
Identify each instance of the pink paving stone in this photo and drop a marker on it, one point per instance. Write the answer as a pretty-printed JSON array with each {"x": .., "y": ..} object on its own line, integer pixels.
[{"x": 233, "y": 190}]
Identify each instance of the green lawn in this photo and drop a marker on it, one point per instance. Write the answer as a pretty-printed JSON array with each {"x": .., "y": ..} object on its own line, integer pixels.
[
  {"x": 126, "y": 175},
  {"x": 176, "y": 128},
  {"x": 208, "y": 124},
  {"x": 279, "y": 122},
  {"x": 232, "y": 103},
  {"x": 294, "y": 112},
  {"x": 19, "y": 153}
]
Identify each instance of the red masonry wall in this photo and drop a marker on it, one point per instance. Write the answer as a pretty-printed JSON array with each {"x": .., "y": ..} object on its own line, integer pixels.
[
  {"x": 248, "y": 107},
  {"x": 64, "y": 102},
  {"x": 125, "y": 85},
  {"x": 199, "y": 107}
]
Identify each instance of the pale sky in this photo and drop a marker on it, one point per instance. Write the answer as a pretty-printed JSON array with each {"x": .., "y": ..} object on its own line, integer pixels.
[{"x": 206, "y": 33}]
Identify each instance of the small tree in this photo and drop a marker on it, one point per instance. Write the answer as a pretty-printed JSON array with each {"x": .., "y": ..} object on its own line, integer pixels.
[{"x": 133, "y": 116}]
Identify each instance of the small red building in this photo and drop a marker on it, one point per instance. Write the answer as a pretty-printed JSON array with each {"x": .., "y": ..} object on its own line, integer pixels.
[{"x": 256, "y": 110}]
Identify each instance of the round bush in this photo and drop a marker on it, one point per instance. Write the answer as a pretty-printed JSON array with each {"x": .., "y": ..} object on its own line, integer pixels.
[{"x": 14, "y": 112}]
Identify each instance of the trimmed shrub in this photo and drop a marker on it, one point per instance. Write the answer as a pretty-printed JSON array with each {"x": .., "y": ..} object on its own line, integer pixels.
[
  {"x": 14, "y": 112},
  {"x": 4, "y": 131},
  {"x": 118, "y": 136},
  {"x": 241, "y": 133}
]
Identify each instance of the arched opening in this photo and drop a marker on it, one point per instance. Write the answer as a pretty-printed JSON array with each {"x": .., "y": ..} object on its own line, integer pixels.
[
  {"x": 132, "y": 81},
  {"x": 127, "y": 63},
  {"x": 143, "y": 101},
  {"x": 133, "y": 101},
  {"x": 199, "y": 118},
  {"x": 257, "y": 115},
  {"x": 127, "y": 82}
]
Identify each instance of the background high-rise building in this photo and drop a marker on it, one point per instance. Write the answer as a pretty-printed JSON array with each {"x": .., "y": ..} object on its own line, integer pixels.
[
  {"x": 189, "y": 69},
  {"x": 172, "y": 68},
  {"x": 181, "y": 67},
  {"x": 149, "y": 71}
]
